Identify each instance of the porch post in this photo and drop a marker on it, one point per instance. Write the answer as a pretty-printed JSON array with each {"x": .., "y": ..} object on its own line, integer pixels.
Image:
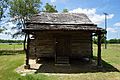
[
  {"x": 99, "y": 60},
  {"x": 91, "y": 56},
  {"x": 27, "y": 65}
]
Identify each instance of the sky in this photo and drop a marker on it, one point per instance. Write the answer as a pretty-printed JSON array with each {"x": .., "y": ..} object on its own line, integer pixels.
[{"x": 94, "y": 9}]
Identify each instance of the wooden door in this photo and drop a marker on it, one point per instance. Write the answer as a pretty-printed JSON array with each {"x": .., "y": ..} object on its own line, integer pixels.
[{"x": 63, "y": 46}]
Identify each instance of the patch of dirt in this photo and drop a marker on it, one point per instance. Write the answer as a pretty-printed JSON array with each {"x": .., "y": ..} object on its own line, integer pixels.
[{"x": 33, "y": 67}]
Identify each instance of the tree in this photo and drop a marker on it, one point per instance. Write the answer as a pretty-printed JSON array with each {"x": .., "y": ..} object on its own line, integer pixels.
[
  {"x": 49, "y": 8},
  {"x": 3, "y": 8},
  {"x": 116, "y": 41},
  {"x": 21, "y": 10},
  {"x": 65, "y": 10},
  {"x": 1, "y": 30}
]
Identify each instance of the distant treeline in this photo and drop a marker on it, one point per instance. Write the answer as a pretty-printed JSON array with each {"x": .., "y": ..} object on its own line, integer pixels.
[
  {"x": 11, "y": 41},
  {"x": 111, "y": 41},
  {"x": 114, "y": 41}
]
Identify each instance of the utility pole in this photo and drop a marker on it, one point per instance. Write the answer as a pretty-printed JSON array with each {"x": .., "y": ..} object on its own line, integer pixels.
[{"x": 105, "y": 40}]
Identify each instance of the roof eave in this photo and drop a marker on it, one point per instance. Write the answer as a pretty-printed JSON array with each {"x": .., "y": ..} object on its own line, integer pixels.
[{"x": 85, "y": 24}]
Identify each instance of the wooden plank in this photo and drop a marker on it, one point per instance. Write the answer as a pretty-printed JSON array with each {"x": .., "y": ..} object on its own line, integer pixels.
[
  {"x": 27, "y": 66},
  {"x": 75, "y": 42},
  {"x": 99, "y": 64},
  {"x": 43, "y": 44},
  {"x": 82, "y": 44},
  {"x": 46, "y": 43}
]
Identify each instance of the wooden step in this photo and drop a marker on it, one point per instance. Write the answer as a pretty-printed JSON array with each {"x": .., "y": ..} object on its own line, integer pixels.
[
  {"x": 62, "y": 60},
  {"x": 65, "y": 65}
]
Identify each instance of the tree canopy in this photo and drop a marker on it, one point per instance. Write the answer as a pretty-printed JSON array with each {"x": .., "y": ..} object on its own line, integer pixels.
[
  {"x": 24, "y": 8},
  {"x": 49, "y": 8},
  {"x": 21, "y": 10},
  {"x": 65, "y": 10},
  {"x": 3, "y": 7}
]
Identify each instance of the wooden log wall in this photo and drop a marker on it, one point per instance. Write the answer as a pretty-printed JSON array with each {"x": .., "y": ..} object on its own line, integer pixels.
[
  {"x": 81, "y": 45},
  {"x": 32, "y": 48},
  {"x": 44, "y": 44}
]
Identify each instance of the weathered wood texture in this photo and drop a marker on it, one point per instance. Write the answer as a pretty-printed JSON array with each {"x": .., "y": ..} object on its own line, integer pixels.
[
  {"x": 99, "y": 64},
  {"x": 44, "y": 45},
  {"x": 81, "y": 45}
]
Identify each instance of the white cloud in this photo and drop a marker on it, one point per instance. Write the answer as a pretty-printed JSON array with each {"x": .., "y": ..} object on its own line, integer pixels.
[
  {"x": 117, "y": 24},
  {"x": 91, "y": 13},
  {"x": 111, "y": 30},
  {"x": 86, "y": 11},
  {"x": 52, "y": 1}
]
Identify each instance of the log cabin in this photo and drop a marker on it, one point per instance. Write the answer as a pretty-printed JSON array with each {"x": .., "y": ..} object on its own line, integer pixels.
[{"x": 61, "y": 36}]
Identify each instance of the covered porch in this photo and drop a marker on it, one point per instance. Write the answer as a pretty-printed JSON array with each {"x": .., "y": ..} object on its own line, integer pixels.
[
  {"x": 63, "y": 22},
  {"x": 66, "y": 59}
]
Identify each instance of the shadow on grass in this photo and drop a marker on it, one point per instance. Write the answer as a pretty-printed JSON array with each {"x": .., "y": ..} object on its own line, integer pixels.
[
  {"x": 76, "y": 66},
  {"x": 11, "y": 52}
]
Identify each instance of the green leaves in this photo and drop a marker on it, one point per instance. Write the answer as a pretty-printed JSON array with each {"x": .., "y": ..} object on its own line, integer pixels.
[
  {"x": 21, "y": 10},
  {"x": 1, "y": 30},
  {"x": 3, "y": 7},
  {"x": 49, "y": 8},
  {"x": 24, "y": 8},
  {"x": 65, "y": 10}
]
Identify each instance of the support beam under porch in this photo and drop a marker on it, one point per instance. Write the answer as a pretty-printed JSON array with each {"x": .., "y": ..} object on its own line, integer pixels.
[
  {"x": 99, "y": 60},
  {"x": 27, "y": 65}
]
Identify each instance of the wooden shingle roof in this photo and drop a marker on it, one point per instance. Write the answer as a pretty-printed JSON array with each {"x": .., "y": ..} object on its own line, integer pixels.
[
  {"x": 60, "y": 18},
  {"x": 60, "y": 21}
]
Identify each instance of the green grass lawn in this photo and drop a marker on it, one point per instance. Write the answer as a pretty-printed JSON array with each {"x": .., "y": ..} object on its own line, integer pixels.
[
  {"x": 11, "y": 46},
  {"x": 8, "y": 64}
]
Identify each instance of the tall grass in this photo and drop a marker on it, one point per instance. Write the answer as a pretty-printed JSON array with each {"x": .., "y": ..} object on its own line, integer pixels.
[{"x": 8, "y": 63}]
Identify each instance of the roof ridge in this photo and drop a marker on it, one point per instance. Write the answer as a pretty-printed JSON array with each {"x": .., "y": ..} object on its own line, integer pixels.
[{"x": 59, "y": 13}]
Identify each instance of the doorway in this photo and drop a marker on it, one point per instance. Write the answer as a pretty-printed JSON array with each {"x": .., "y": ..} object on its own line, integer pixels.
[{"x": 63, "y": 49}]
